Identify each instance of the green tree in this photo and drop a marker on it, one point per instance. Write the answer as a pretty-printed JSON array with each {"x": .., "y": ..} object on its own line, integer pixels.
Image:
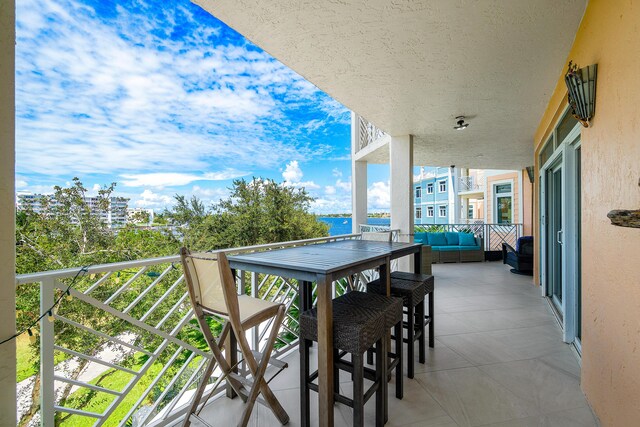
[
  {"x": 256, "y": 212},
  {"x": 69, "y": 231}
]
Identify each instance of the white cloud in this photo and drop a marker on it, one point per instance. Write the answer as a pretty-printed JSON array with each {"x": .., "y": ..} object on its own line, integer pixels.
[
  {"x": 161, "y": 180},
  {"x": 211, "y": 193},
  {"x": 336, "y": 172},
  {"x": 292, "y": 172},
  {"x": 308, "y": 185},
  {"x": 379, "y": 195},
  {"x": 151, "y": 200},
  {"x": 344, "y": 186},
  {"x": 122, "y": 95},
  {"x": 330, "y": 190},
  {"x": 96, "y": 187},
  {"x": 21, "y": 183}
]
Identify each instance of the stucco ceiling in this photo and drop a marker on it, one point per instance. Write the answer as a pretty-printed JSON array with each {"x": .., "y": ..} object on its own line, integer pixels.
[{"x": 411, "y": 67}]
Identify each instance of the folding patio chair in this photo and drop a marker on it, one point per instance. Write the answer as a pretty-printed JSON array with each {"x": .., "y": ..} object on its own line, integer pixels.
[{"x": 213, "y": 292}]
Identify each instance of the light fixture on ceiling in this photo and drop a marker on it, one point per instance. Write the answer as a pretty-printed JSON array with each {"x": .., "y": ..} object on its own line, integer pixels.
[{"x": 461, "y": 124}]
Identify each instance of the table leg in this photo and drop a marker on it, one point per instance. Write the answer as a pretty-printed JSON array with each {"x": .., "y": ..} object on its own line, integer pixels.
[
  {"x": 385, "y": 275},
  {"x": 231, "y": 354},
  {"x": 325, "y": 351}
]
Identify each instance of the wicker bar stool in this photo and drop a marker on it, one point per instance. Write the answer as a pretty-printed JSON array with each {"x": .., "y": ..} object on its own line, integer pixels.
[
  {"x": 392, "y": 309},
  {"x": 412, "y": 294},
  {"x": 355, "y": 330},
  {"x": 429, "y": 289}
]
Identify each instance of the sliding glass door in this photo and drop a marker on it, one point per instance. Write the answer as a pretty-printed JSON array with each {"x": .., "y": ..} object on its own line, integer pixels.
[{"x": 560, "y": 194}]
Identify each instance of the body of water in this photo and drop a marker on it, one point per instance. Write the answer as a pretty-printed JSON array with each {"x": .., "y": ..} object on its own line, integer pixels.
[{"x": 342, "y": 225}]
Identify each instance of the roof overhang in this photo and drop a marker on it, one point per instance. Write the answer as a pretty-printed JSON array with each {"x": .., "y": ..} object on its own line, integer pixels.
[{"x": 411, "y": 67}]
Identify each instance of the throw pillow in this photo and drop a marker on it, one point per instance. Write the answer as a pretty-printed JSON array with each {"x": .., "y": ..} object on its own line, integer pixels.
[
  {"x": 452, "y": 238},
  {"x": 420, "y": 237},
  {"x": 437, "y": 239},
  {"x": 466, "y": 239}
]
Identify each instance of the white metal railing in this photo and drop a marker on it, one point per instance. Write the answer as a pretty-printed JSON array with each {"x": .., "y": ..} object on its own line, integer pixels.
[
  {"x": 367, "y": 133},
  {"x": 147, "y": 300},
  {"x": 493, "y": 235},
  {"x": 469, "y": 183}
]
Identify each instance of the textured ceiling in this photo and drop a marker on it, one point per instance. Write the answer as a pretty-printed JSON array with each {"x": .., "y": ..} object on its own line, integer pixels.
[{"x": 411, "y": 67}]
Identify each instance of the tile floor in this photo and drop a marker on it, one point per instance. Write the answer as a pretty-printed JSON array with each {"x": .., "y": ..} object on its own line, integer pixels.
[{"x": 499, "y": 360}]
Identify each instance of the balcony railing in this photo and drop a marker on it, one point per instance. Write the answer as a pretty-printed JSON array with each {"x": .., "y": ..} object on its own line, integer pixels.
[
  {"x": 494, "y": 235},
  {"x": 469, "y": 183},
  {"x": 146, "y": 303},
  {"x": 368, "y": 133}
]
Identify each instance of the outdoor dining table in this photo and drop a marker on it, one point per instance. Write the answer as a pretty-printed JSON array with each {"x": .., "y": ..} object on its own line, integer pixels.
[{"x": 324, "y": 263}]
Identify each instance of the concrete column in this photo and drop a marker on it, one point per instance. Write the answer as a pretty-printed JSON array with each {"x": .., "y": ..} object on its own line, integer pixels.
[
  {"x": 7, "y": 213},
  {"x": 358, "y": 180},
  {"x": 454, "y": 200},
  {"x": 401, "y": 174}
]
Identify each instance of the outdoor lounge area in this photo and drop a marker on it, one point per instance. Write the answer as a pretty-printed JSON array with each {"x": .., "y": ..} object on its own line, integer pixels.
[{"x": 498, "y": 360}]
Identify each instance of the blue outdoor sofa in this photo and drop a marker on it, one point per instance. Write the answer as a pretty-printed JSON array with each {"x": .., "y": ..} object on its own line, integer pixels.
[{"x": 452, "y": 246}]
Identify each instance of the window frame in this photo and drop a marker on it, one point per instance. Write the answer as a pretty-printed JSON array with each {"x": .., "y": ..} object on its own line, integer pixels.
[
  {"x": 418, "y": 192},
  {"x": 440, "y": 209},
  {"x": 430, "y": 188},
  {"x": 441, "y": 184},
  {"x": 430, "y": 211},
  {"x": 497, "y": 195}
]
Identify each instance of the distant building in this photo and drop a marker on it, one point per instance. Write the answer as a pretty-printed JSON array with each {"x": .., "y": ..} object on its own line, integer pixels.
[
  {"x": 459, "y": 196},
  {"x": 115, "y": 216},
  {"x": 135, "y": 215}
]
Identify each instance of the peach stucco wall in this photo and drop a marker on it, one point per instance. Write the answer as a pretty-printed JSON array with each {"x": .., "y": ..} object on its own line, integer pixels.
[
  {"x": 493, "y": 179},
  {"x": 610, "y": 36},
  {"x": 527, "y": 204}
]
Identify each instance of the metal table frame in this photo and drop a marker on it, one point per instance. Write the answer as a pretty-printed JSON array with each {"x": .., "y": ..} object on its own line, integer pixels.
[{"x": 324, "y": 263}]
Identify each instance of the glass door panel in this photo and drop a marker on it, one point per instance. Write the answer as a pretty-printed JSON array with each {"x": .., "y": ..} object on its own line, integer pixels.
[
  {"x": 578, "y": 275},
  {"x": 554, "y": 235}
]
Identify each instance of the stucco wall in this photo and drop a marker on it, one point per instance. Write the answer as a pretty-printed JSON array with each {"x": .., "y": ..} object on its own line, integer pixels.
[
  {"x": 511, "y": 177},
  {"x": 527, "y": 204},
  {"x": 610, "y": 36},
  {"x": 7, "y": 215}
]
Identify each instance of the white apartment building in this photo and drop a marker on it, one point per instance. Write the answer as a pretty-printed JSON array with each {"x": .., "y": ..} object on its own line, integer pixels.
[
  {"x": 131, "y": 214},
  {"x": 114, "y": 217}
]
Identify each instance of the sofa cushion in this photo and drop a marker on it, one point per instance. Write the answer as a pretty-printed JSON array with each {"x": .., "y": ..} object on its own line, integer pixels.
[
  {"x": 467, "y": 239},
  {"x": 452, "y": 238},
  {"x": 448, "y": 248},
  {"x": 437, "y": 239},
  {"x": 420, "y": 237},
  {"x": 469, "y": 248}
]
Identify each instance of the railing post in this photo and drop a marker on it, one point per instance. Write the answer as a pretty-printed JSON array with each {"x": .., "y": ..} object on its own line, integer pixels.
[
  {"x": 487, "y": 233},
  {"x": 255, "y": 331},
  {"x": 47, "y": 331}
]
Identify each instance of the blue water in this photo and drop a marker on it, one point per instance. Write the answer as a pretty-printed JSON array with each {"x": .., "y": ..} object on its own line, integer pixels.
[{"x": 342, "y": 225}]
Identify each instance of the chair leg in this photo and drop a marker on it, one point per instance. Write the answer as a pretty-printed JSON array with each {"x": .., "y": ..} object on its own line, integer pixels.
[
  {"x": 431, "y": 318},
  {"x": 410, "y": 341},
  {"x": 421, "y": 340},
  {"x": 196, "y": 398},
  {"x": 382, "y": 408},
  {"x": 259, "y": 384},
  {"x": 399, "y": 373},
  {"x": 305, "y": 416},
  {"x": 358, "y": 389},
  {"x": 336, "y": 372}
]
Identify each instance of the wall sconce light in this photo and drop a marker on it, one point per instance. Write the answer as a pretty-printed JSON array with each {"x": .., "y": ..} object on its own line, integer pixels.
[
  {"x": 581, "y": 84},
  {"x": 530, "y": 174}
]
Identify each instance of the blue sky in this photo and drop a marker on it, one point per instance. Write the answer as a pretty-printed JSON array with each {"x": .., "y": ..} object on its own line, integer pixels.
[{"x": 163, "y": 98}]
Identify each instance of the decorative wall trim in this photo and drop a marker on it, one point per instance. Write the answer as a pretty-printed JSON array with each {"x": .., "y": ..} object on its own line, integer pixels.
[{"x": 625, "y": 218}]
